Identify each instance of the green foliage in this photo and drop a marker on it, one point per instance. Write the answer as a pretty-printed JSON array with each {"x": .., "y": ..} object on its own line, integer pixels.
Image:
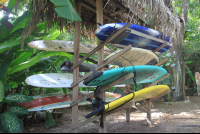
[
  {"x": 66, "y": 9},
  {"x": 2, "y": 93},
  {"x": 20, "y": 22},
  {"x": 27, "y": 63},
  {"x": 10, "y": 122},
  {"x": 53, "y": 90},
  {"x": 17, "y": 98},
  {"x": 21, "y": 58},
  {"x": 49, "y": 120},
  {"x": 18, "y": 110},
  {"x": 5, "y": 65}
]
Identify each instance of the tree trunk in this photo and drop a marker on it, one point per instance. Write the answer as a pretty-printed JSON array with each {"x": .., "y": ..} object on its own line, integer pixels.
[{"x": 179, "y": 71}]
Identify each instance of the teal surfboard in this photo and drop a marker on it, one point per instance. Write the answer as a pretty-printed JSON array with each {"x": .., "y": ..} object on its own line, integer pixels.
[{"x": 144, "y": 74}]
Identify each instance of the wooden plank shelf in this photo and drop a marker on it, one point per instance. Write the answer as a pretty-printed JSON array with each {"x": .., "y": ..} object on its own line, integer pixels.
[
  {"x": 102, "y": 65},
  {"x": 101, "y": 45},
  {"x": 103, "y": 88}
]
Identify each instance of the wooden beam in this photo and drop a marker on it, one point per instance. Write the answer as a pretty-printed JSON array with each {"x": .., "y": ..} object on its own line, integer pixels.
[
  {"x": 76, "y": 70},
  {"x": 105, "y": 63},
  {"x": 161, "y": 62},
  {"x": 89, "y": 59},
  {"x": 116, "y": 12},
  {"x": 148, "y": 105},
  {"x": 128, "y": 114},
  {"x": 103, "y": 88},
  {"x": 102, "y": 44},
  {"x": 155, "y": 82},
  {"x": 160, "y": 47},
  {"x": 93, "y": 9},
  {"x": 100, "y": 53},
  {"x": 82, "y": 95}
]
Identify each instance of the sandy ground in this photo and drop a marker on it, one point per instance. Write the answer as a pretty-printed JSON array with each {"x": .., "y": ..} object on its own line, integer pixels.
[{"x": 167, "y": 117}]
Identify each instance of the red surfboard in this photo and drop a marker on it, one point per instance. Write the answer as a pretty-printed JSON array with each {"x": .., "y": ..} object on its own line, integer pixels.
[{"x": 59, "y": 100}]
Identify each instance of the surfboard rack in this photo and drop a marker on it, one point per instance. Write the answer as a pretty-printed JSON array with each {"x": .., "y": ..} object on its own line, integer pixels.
[
  {"x": 127, "y": 107},
  {"x": 120, "y": 91},
  {"x": 123, "y": 35},
  {"x": 114, "y": 38}
]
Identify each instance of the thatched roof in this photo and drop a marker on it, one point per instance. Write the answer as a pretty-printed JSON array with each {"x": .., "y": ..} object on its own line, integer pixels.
[{"x": 154, "y": 14}]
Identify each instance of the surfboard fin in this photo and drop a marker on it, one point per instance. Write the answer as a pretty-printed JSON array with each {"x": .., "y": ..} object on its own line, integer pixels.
[
  {"x": 123, "y": 35},
  {"x": 94, "y": 71},
  {"x": 120, "y": 92},
  {"x": 118, "y": 64}
]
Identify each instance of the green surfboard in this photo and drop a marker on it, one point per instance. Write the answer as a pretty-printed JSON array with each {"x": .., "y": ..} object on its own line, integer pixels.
[{"x": 143, "y": 74}]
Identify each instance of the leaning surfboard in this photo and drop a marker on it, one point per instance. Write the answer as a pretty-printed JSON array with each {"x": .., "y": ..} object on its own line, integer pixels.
[
  {"x": 146, "y": 93},
  {"x": 137, "y": 36},
  {"x": 135, "y": 56},
  {"x": 143, "y": 74},
  {"x": 63, "y": 46},
  {"x": 59, "y": 100},
  {"x": 54, "y": 80},
  {"x": 197, "y": 77}
]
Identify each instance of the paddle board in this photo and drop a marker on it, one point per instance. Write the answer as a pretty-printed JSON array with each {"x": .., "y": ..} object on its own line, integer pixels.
[
  {"x": 54, "y": 80},
  {"x": 59, "y": 100},
  {"x": 197, "y": 77},
  {"x": 63, "y": 46},
  {"x": 143, "y": 94},
  {"x": 141, "y": 37},
  {"x": 137, "y": 56},
  {"x": 144, "y": 74}
]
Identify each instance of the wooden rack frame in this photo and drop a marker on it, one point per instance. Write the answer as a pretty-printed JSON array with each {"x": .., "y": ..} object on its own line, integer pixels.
[{"x": 101, "y": 63}]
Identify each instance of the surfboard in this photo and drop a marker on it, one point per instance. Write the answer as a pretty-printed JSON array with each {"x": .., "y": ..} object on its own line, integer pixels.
[
  {"x": 144, "y": 74},
  {"x": 137, "y": 36},
  {"x": 197, "y": 77},
  {"x": 59, "y": 100},
  {"x": 137, "y": 56},
  {"x": 146, "y": 93},
  {"x": 83, "y": 67},
  {"x": 54, "y": 80},
  {"x": 63, "y": 46}
]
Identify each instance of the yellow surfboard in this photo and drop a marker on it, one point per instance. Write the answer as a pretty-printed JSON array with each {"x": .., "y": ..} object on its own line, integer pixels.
[{"x": 143, "y": 94}]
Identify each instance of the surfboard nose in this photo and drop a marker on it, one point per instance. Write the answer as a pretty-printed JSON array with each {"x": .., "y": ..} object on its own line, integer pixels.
[{"x": 35, "y": 44}]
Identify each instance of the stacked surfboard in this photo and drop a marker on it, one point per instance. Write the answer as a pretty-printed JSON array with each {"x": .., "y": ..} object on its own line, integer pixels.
[{"x": 140, "y": 61}]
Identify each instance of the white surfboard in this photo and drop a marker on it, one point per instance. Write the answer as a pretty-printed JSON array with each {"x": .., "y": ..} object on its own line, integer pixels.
[
  {"x": 137, "y": 56},
  {"x": 63, "y": 46},
  {"x": 54, "y": 80},
  {"x": 197, "y": 77}
]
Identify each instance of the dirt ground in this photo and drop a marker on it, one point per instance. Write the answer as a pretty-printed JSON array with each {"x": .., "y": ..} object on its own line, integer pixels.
[{"x": 167, "y": 117}]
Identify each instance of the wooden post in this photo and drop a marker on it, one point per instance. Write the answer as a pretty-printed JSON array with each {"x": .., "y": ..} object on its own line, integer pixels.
[
  {"x": 128, "y": 114},
  {"x": 127, "y": 109},
  {"x": 76, "y": 70},
  {"x": 100, "y": 53},
  {"x": 148, "y": 105}
]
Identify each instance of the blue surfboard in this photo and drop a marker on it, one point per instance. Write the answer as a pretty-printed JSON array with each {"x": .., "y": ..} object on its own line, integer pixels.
[
  {"x": 139, "y": 36},
  {"x": 144, "y": 74}
]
